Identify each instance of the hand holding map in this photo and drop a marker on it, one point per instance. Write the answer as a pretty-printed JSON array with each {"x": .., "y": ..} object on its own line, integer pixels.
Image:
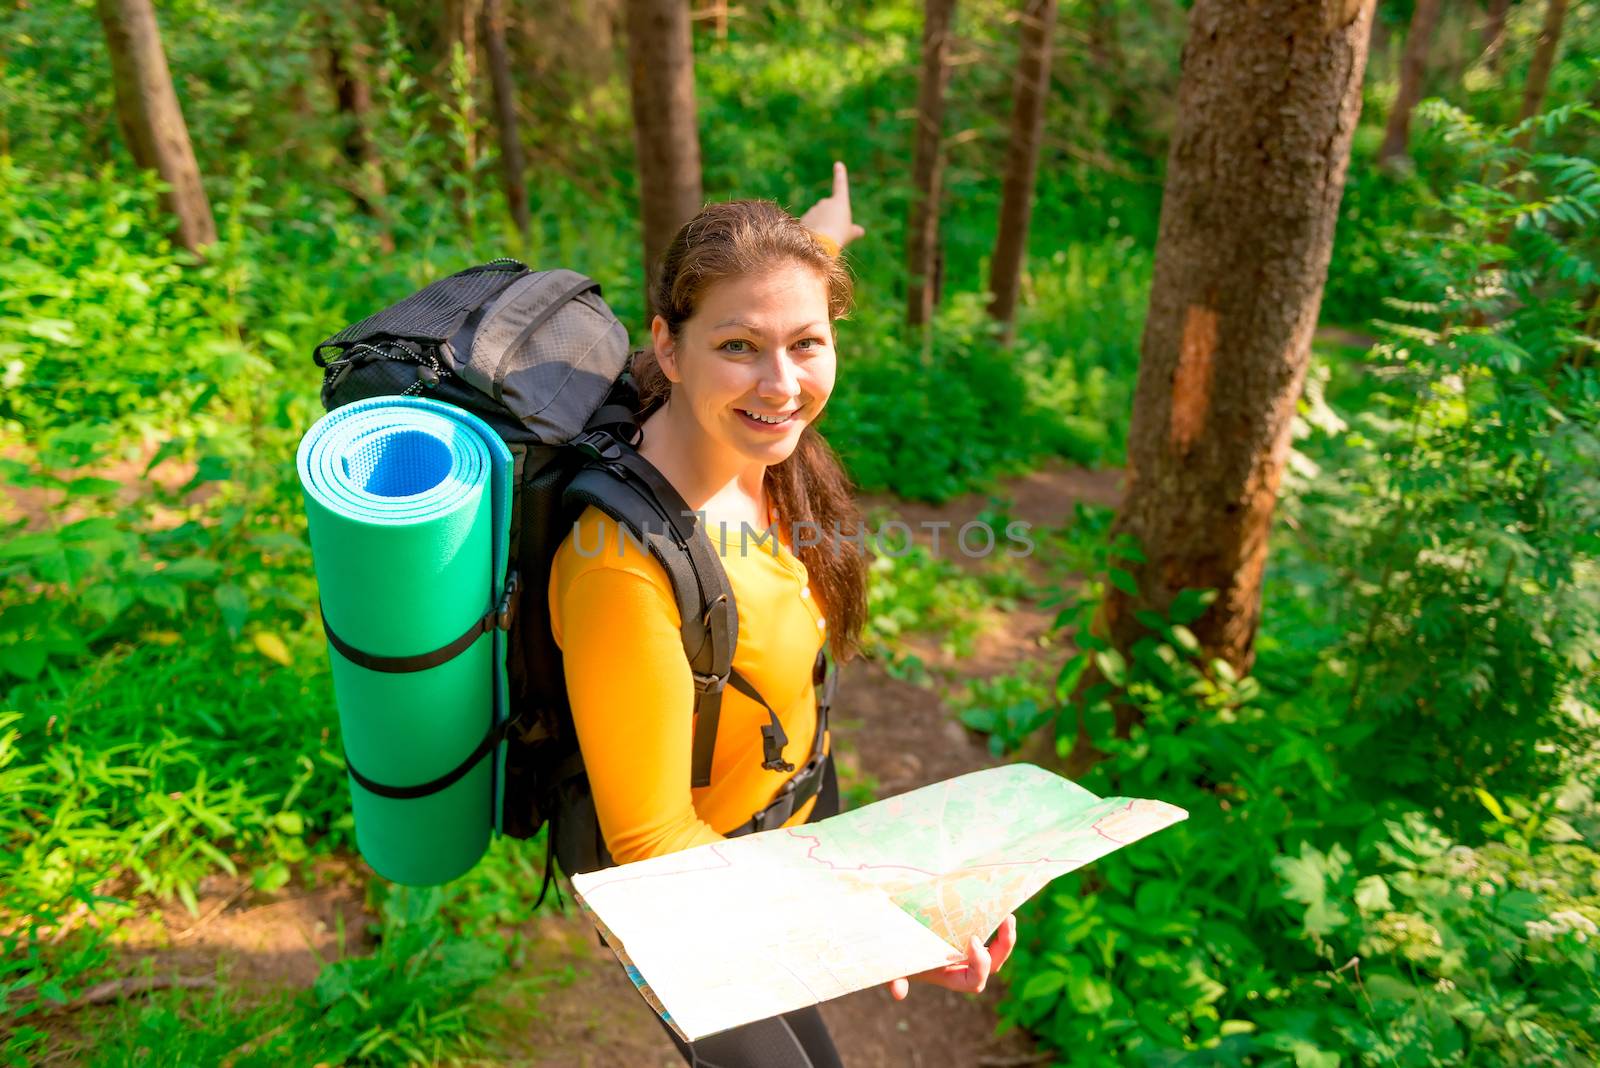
[
  {"x": 751, "y": 927},
  {"x": 972, "y": 976}
]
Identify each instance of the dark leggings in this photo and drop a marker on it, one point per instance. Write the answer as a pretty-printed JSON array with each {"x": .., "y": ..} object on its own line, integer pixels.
[{"x": 797, "y": 1039}]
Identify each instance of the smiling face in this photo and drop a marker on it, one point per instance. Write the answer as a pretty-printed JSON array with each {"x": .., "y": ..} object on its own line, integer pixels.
[{"x": 755, "y": 363}]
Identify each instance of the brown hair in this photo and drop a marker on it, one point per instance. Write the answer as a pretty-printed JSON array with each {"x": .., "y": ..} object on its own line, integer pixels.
[{"x": 744, "y": 237}]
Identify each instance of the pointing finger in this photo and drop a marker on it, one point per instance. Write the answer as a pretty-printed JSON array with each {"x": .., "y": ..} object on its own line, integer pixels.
[{"x": 841, "y": 180}]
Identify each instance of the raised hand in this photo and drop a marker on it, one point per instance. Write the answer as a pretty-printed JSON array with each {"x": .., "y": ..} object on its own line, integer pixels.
[{"x": 831, "y": 214}]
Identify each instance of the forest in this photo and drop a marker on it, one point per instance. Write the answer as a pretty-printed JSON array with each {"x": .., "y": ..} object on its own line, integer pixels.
[{"x": 1278, "y": 322}]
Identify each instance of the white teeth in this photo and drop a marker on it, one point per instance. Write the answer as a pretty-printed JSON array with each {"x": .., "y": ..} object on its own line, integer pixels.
[{"x": 764, "y": 418}]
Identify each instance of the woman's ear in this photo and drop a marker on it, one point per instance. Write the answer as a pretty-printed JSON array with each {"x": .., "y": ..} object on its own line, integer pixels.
[{"x": 666, "y": 350}]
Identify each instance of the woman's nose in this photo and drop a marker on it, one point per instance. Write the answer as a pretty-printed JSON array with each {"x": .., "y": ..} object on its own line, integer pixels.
[{"x": 780, "y": 382}]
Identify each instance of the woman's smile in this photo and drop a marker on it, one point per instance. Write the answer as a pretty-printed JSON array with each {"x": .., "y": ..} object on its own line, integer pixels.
[{"x": 767, "y": 422}]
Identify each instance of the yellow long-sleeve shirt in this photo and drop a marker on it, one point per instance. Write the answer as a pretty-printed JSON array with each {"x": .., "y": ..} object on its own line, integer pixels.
[{"x": 628, "y": 679}]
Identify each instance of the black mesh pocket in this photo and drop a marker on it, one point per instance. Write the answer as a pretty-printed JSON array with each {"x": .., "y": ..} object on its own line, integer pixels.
[
  {"x": 429, "y": 316},
  {"x": 385, "y": 369}
]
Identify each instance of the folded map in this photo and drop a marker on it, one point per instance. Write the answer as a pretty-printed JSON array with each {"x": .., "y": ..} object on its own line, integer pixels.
[{"x": 751, "y": 927}]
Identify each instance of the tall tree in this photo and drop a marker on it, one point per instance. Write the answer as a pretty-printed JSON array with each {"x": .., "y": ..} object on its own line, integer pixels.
[
  {"x": 348, "y": 59},
  {"x": 151, "y": 120},
  {"x": 1494, "y": 32},
  {"x": 661, "y": 75},
  {"x": 1247, "y": 220},
  {"x": 923, "y": 230},
  {"x": 1022, "y": 159},
  {"x": 513, "y": 166},
  {"x": 1544, "y": 58},
  {"x": 461, "y": 29},
  {"x": 1413, "y": 67}
]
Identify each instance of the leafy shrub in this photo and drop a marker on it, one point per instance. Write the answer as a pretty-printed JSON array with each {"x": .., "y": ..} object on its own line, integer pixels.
[
  {"x": 1426, "y": 653},
  {"x": 911, "y": 591},
  {"x": 1445, "y": 953}
]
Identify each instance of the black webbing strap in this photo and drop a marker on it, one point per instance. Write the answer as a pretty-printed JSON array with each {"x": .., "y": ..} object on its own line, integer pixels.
[
  {"x": 609, "y": 416},
  {"x": 773, "y": 737},
  {"x": 805, "y": 784},
  {"x": 675, "y": 509},
  {"x": 659, "y": 517},
  {"x": 497, "y": 617},
  {"x": 698, "y": 578},
  {"x": 443, "y": 782},
  {"x": 712, "y": 669}
]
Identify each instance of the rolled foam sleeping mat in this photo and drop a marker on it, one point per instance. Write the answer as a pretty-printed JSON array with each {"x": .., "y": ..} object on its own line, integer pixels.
[{"x": 408, "y": 502}]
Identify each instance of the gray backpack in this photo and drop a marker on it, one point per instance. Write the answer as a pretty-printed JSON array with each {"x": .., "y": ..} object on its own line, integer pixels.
[{"x": 540, "y": 357}]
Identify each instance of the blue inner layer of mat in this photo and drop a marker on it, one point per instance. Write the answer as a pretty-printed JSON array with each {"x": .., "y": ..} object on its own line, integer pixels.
[{"x": 399, "y": 464}]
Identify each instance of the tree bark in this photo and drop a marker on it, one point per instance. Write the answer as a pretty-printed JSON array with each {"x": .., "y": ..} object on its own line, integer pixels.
[
  {"x": 461, "y": 28},
  {"x": 661, "y": 76},
  {"x": 1246, "y": 230},
  {"x": 348, "y": 58},
  {"x": 513, "y": 166},
  {"x": 1544, "y": 59},
  {"x": 151, "y": 119},
  {"x": 1022, "y": 160},
  {"x": 1105, "y": 40},
  {"x": 923, "y": 229},
  {"x": 1413, "y": 66},
  {"x": 1494, "y": 32}
]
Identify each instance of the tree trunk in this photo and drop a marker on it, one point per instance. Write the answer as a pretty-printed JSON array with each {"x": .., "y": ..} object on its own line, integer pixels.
[
  {"x": 661, "y": 76},
  {"x": 1413, "y": 66},
  {"x": 1494, "y": 33},
  {"x": 1544, "y": 59},
  {"x": 1246, "y": 230},
  {"x": 923, "y": 231},
  {"x": 513, "y": 167},
  {"x": 147, "y": 108},
  {"x": 1022, "y": 160},
  {"x": 1105, "y": 41},
  {"x": 461, "y": 28},
  {"x": 348, "y": 59}
]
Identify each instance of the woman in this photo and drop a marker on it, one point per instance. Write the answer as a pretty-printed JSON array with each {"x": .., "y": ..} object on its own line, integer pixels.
[{"x": 741, "y": 365}]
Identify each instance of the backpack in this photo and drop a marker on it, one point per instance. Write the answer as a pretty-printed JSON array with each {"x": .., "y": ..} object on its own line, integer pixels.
[{"x": 540, "y": 357}]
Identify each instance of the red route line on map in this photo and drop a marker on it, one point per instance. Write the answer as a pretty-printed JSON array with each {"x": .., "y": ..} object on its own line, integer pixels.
[{"x": 816, "y": 844}]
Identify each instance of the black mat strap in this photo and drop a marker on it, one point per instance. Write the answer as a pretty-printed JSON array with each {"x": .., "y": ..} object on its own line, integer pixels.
[
  {"x": 432, "y": 786},
  {"x": 497, "y": 617}
]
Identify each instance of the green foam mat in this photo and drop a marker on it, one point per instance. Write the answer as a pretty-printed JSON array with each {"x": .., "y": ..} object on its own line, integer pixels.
[{"x": 408, "y": 503}]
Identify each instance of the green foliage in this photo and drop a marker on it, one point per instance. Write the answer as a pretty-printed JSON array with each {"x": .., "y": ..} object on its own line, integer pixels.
[
  {"x": 1008, "y": 708},
  {"x": 912, "y": 591},
  {"x": 1462, "y": 522},
  {"x": 1426, "y": 656},
  {"x": 1439, "y": 952},
  {"x": 410, "y": 1002},
  {"x": 996, "y": 410}
]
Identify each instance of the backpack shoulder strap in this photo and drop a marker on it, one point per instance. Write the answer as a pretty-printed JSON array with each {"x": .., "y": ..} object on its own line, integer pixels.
[{"x": 626, "y": 487}]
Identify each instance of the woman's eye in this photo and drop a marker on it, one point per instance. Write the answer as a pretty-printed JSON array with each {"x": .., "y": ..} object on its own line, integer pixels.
[
  {"x": 808, "y": 342},
  {"x": 736, "y": 346}
]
